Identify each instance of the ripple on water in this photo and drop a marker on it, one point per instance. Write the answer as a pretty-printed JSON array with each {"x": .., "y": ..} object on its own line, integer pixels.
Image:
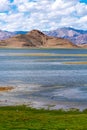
[{"x": 41, "y": 77}]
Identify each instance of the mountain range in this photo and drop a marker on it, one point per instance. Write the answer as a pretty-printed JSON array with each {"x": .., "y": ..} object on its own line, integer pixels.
[
  {"x": 6, "y": 34},
  {"x": 36, "y": 38},
  {"x": 74, "y": 35}
]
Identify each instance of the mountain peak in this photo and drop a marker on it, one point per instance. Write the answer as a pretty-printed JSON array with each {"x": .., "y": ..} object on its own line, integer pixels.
[
  {"x": 36, "y": 38},
  {"x": 35, "y": 32},
  {"x": 69, "y": 33},
  {"x": 74, "y": 35}
]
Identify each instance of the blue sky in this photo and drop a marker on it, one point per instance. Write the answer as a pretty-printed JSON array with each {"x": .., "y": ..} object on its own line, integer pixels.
[
  {"x": 24, "y": 15},
  {"x": 83, "y": 1}
]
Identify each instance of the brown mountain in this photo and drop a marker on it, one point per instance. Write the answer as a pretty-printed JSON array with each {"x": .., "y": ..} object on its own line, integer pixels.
[{"x": 35, "y": 38}]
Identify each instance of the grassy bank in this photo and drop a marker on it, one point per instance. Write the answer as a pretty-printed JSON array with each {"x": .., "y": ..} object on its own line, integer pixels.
[{"x": 24, "y": 118}]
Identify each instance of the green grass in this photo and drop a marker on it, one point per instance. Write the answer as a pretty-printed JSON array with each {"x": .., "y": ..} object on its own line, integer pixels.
[{"x": 25, "y": 118}]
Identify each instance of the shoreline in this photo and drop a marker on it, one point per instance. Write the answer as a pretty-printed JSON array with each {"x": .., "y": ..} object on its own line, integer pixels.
[
  {"x": 13, "y": 96},
  {"x": 39, "y": 48}
]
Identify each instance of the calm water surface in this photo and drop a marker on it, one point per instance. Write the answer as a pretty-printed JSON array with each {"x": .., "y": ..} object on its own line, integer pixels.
[{"x": 44, "y": 77}]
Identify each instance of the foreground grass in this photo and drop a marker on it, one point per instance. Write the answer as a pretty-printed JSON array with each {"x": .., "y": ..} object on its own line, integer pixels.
[{"x": 24, "y": 118}]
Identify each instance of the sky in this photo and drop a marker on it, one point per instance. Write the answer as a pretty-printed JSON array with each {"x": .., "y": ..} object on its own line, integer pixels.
[{"x": 25, "y": 15}]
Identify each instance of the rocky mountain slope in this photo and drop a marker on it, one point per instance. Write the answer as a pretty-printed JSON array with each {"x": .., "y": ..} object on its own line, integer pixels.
[
  {"x": 35, "y": 38},
  {"x": 5, "y": 34},
  {"x": 74, "y": 35}
]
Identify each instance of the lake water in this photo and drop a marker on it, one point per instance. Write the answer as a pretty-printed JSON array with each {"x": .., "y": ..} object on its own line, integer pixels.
[{"x": 55, "y": 78}]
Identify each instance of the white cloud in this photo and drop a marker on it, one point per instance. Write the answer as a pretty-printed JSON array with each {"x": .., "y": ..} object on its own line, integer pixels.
[
  {"x": 4, "y": 5},
  {"x": 81, "y": 9},
  {"x": 44, "y": 15}
]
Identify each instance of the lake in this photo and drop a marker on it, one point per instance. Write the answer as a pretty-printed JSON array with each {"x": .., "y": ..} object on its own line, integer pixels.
[{"x": 55, "y": 78}]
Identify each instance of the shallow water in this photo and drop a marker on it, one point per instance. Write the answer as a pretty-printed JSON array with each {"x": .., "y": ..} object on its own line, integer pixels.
[{"x": 44, "y": 77}]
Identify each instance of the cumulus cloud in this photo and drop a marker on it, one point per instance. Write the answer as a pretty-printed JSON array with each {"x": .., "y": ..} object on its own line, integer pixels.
[
  {"x": 43, "y": 15},
  {"x": 4, "y": 5}
]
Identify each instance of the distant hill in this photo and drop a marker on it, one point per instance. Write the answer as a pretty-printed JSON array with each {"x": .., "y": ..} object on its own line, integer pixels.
[
  {"x": 74, "y": 35},
  {"x": 5, "y": 34},
  {"x": 36, "y": 38},
  {"x": 20, "y": 32}
]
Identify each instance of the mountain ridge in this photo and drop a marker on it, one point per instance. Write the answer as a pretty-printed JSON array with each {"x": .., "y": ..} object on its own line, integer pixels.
[
  {"x": 77, "y": 37},
  {"x": 36, "y": 38},
  {"x": 74, "y": 35}
]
